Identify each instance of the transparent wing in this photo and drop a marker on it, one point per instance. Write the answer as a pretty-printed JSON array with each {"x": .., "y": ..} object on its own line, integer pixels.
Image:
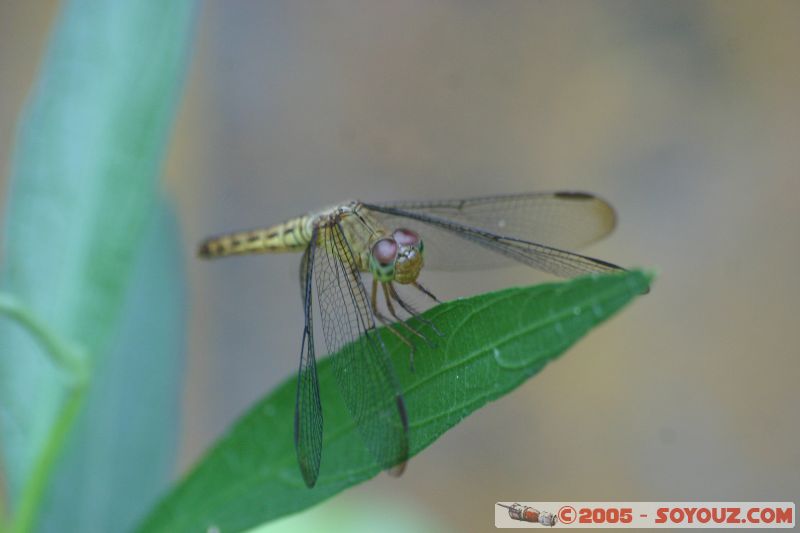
[
  {"x": 454, "y": 245},
  {"x": 308, "y": 408},
  {"x": 562, "y": 220},
  {"x": 361, "y": 363}
]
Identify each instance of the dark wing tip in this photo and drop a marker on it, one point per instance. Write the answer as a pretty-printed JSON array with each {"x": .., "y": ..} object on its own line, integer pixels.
[
  {"x": 401, "y": 409},
  {"x": 646, "y": 290},
  {"x": 398, "y": 468},
  {"x": 309, "y": 474},
  {"x": 574, "y": 195},
  {"x": 605, "y": 265},
  {"x": 309, "y": 465}
]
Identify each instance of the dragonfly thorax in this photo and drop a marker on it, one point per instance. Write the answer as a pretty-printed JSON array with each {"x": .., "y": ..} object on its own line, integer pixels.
[{"x": 397, "y": 257}]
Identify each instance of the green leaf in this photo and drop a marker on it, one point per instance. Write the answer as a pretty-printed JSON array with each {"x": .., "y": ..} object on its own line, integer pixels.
[
  {"x": 493, "y": 342},
  {"x": 83, "y": 188},
  {"x": 121, "y": 451}
]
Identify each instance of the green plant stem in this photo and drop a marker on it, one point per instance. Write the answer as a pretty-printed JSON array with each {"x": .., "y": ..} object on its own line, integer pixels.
[
  {"x": 25, "y": 517},
  {"x": 3, "y": 518},
  {"x": 75, "y": 364}
]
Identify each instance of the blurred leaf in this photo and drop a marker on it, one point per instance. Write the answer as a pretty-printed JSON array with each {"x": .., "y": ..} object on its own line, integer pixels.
[
  {"x": 395, "y": 515},
  {"x": 82, "y": 191},
  {"x": 493, "y": 342},
  {"x": 122, "y": 449}
]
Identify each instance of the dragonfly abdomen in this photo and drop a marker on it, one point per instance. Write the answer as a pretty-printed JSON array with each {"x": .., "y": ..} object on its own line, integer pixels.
[{"x": 290, "y": 236}]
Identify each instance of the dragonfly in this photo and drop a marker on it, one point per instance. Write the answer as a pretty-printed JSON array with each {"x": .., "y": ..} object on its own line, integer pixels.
[{"x": 345, "y": 245}]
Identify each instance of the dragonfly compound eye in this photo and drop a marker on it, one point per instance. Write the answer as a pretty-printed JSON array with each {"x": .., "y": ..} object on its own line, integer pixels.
[
  {"x": 383, "y": 258},
  {"x": 405, "y": 237},
  {"x": 385, "y": 251}
]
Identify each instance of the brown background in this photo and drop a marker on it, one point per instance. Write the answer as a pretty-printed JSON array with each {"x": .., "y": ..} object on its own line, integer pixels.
[{"x": 684, "y": 114}]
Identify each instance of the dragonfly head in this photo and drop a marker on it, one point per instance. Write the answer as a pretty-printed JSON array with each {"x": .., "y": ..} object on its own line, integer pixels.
[{"x": 397, "y": 258}]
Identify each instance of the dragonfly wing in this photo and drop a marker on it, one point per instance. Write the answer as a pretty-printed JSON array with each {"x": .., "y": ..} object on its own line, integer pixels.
[
  {"x": 363, "y": 369},
  {"x": 308, "y": 408},
  {"x": 563, "y": 220},
  {"x": 447, "y": 253}
]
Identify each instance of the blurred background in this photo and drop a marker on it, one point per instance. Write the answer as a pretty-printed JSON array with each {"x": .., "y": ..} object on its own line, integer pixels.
[{"x": 684, "y": 115}]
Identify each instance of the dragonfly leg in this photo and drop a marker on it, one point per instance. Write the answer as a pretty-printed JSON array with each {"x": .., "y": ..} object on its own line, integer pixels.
[
  {"x": 387, "y": 291},
  {"x": 388, "y": 323},
  {"x": 413, "y": 312},
  {"x": 426, "y": 292}
]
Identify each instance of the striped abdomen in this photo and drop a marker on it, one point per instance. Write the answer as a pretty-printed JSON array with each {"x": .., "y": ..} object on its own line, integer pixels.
[{"x": 291, "y": 236}]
